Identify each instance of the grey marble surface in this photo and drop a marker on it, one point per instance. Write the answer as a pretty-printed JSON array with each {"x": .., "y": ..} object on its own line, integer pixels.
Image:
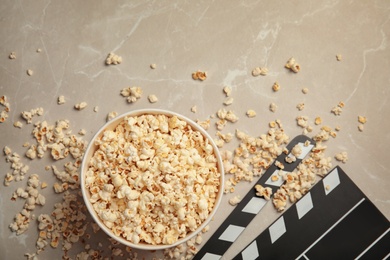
[{"x": 228, "y": 39}]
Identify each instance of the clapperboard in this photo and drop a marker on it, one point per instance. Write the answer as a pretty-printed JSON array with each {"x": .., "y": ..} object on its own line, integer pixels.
[{"x": 334, "y": 220}]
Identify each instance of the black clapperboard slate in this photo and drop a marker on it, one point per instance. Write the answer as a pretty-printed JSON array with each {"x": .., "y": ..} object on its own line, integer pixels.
[
  {"x": 334, "y": 220},
  {"x": 250, "y": 205}
]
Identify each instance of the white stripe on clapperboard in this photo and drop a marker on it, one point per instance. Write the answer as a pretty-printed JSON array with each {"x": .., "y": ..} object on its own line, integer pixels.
[{"x": 373, "y": 243}]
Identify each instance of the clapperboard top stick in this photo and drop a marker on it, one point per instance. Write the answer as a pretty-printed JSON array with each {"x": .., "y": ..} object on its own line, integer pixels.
[
  {"x": 251, "y": 204},
  {"x": 334, "y": 220}
]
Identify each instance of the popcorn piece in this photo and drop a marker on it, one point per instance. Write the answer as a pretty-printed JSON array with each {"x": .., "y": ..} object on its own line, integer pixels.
[
  {"x": 113, "y": 59},
  {"x": 362, "y": 119},
  {"x": 152, "y": 98},
  {"x": 361, "y": 127},
  {"x": 30, "y": 72},
  {"x": 301, "y": 106},
  {"x": 265, "y": 192},
  {"x": 318, "y": 120},
  {"x": 276, "y": 86},
  {"x": 82, "y": 132},
  {"x": 28, "y": 115},
  {"x": 96, "y": 109},
  {"x": 305, "y": 90},
  {"x": 227, "y": 90},
  {"x": 61, "y": 100},
  {"x": 259, "y": 71},
  {"x": 338, "y": 109},
  {"x": 234, "y": 200},
  {"x": 12, "y": 55},
  {"x": 339, "y": 57},
  {"x": 153, "y": 66},
  {"x": 194, "y": 109},
  {"x": 293, "y": 65},
  {"x": 273, "y": 107},
  {"x": 302, "y": 121},
  {"x": 39, "y": 50},
  {"x": 199, "y": 75},
  {"x": 251, "y": 113},
  {"x": 80, "y": 106},
  {"x": 132, "y": 94},
  {"x": 342, "y": 157},
  {"x": 18, "y": 124},
  {"x": 112, "y": 115},
  {"x": 228, "y": 101}
]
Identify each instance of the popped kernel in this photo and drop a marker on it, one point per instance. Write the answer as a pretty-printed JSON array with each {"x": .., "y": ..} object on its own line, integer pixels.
[
  {"x": 112, "y": 115},
  {"x": 132, "y": 94},
  {"x": 199, "y": 75},
  {"x": 61, "y": 100},
  {"x": 235, "y": 200},
  {"x": 361, "y": 127},
  {"x": 342, "y": 157},
  {"x": 305, "y": 90},
  {"x": 30, "y": 72},
  {"x": 80, "y": 106},
  {"x": 152, "y": 98},
  {"x": 263, "y": 71},
  {"x": 228, "y": 101},
  {"x": 113, "y": 59},
  {"x": 273, "y": 107},
  {"x": 12, "y": 55},
  {"x": 18, "y": 124},
  {"x": 293, "y": 65},
  {"x": 318, "y": 120},
  {"x": 339, "y": 57},
  {"x": 153, "y": 66},
  {"x": 194, "y": 109},
  {"x": 301, "y": 106},
  {"x": 251, "y": 113},
  {"x": 362, "y": 119},
  {"x": 276, "y": 86},
  {"x": 227, "y": 90}
]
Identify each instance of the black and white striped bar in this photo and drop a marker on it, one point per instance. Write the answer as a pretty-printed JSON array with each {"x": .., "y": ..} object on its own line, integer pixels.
[
  {"x": 250, "y": 205},
  {"x": 334, "y": 220}
]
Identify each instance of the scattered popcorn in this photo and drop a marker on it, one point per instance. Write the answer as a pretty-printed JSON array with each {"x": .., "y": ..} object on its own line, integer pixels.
[
  {"x": 132, "y": 94},
  {"x": 293, "y": 65},
  {"x": 204, "y": 124},
  {"x": 339, "y": 57},
  {"x": 251, "y": 113},
  {"x": 234, "y": 200},
  {"x": 276, "y": 86},
  {"x": 362, "y": 119},
  {"x": 228, "y": 101},
  {"x": 39, "y": 50},
  {"x": 273, "y": 107},
  {"x": 305, "y": 90},
  {"x": 112, "y": 115},
  {"x": 152, "y": 98},
  {"x": 199, "y": 75},
  {"x": 80, "y": 106},
  {"x": 338, "y": 109},
  {"x": 61, "y": 100},
  {"x": 302, "y": 121},
  {"x": 153, "y": 66},
  {"x": 227, "y": 90},
  {"x": 96, "y": 109},
  {"x": 194, "y": 109},
  {"x": 113, "y": 59},
  {"x": 361, "y": 127},
  {"x": 342, "y": 157},
  {"x": 259, "y": 71},
  {"x": 12, "y": 55},
  {"x": 30, "y": 72},
  {"x": 28, "y": 115},
  {"x": 4, "y": 113},
  {"x": 318, "y": 120},
  {"x": 301, "y": 106},
  {"x": 82, "y": 132},
  {"x": 265, "y": 192}
]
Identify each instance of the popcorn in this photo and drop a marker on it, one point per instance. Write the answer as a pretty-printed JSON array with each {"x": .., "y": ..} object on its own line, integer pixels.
[
  {"x": 273, "y": 107},
  {"x": 227, "y": 90},
  {"x": 276, "y": 86},
  {"x": 178, "y": 177},
  {"x": 132, "y": 94},
  {"x": 259, "y": 71},
  {"x": 293, "y": 65},
  {"x": 228, "y": 101},
  {"x": 199, "y": 75},
  {"x": 251, "y": 113},
  {"x": 342, "y": 156},
  {"x": 80, "y": 106},
  {"x": 234, "y": 200},
  {"x": 152, "y": 98},
  {"x": 61, "y": 100},
  {"x": 113, "y": 59}
]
